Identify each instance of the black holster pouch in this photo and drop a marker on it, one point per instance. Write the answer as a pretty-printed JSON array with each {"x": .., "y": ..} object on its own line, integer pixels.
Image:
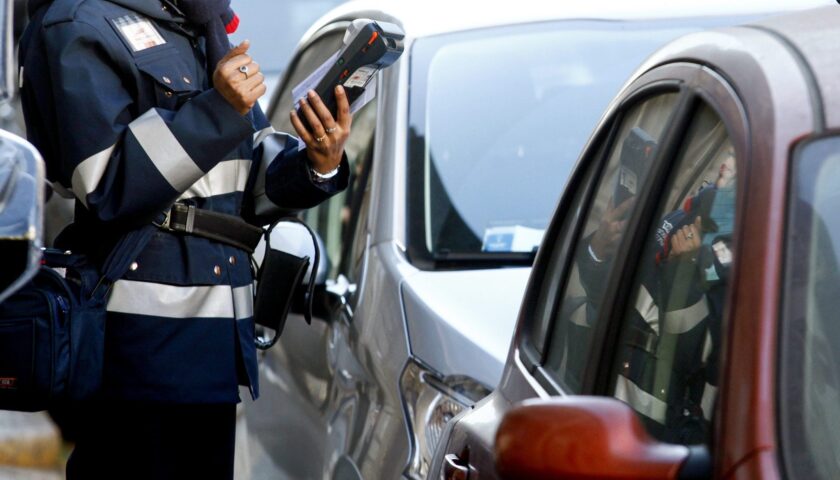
[{"x": 280, "y": 285}]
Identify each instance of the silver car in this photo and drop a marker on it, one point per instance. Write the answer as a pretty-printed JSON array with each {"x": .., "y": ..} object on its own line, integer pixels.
[{"x": 457, "y": 165}]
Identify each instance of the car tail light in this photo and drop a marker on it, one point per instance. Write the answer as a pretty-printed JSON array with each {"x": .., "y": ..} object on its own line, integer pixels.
[{"x": 430, "y": 401}]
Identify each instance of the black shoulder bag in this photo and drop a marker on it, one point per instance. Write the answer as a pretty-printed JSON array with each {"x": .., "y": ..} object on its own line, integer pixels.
[
  {"x": 279, "y": 285},
  {"x": 52, "y": 331}
]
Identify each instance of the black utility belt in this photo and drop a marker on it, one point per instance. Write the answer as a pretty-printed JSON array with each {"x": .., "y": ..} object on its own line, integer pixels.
[{"x": 219, "y": 227}]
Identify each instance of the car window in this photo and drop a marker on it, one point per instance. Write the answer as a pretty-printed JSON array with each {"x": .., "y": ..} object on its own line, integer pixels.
[
  {"x": 311, "y": 58},
  {"x": 666, "y": 365},
  {"x": 811, "y": 393},
  {"x": 629, "y": 161},
  {"x": 335, "y": 218}
]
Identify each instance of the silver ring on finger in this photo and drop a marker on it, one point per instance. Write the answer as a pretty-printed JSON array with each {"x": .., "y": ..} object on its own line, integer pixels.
[
  {"x": 331, "y": 130},
  {"x": 689, "y": 235},
  {"x": 321, "y": 138},
  {"x": 244, "y": 69}
]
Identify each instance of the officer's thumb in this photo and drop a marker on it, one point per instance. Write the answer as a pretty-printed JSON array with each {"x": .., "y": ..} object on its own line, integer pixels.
[{"x": 240, "y": 49}]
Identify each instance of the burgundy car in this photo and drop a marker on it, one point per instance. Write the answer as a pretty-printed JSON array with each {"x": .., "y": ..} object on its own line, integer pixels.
[{"x": 683, "y": 316}]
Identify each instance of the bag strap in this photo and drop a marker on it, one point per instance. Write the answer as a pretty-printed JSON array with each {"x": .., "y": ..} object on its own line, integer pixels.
[
  {"x": 119, "y": 260},
  {"x": 310, "y": 289}
]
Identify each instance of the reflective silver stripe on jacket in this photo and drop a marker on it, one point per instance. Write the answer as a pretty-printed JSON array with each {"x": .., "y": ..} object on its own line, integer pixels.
[
  {"x": 682, "y": 321},
  {"x": 164, "y": 150},
  {"x": 87, "y": 174},
  {"x": 273, "y": 144},
  {"x": 227, "y": 177},
  {"x": 641, "y": 401},
  {"x": 646, "y": 307},
  {"x": 169, "y": 301},
  {"x": 262, "y": 135}
]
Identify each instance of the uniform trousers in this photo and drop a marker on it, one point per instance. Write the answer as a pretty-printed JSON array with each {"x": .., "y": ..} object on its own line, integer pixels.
[{"x": 118, "y": 440}]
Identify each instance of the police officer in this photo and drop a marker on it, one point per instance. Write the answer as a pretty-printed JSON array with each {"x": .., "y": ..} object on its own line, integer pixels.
[{"x": 144, "y": 114}]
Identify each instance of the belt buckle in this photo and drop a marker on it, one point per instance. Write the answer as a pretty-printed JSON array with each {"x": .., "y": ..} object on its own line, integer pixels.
[{"x": 164, "y": 225}]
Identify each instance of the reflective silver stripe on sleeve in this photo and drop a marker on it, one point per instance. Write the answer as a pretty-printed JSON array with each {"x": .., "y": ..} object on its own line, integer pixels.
[
  {"x": 227, "y": 177},
  {"x": 262, "y": 135},
  {"x": 169, "y": 301},
  {"x": 62, "y": 191},
  {"x": 647, "y": 308},
  {"x": 682, "y": 321},
  {"x": 707, "y": 403},
  {"x": 272, "y": 144},
  {"x": 640, "y": 400},
  {"x": 164, "y": 150},
  {"x": 87, "y": 174},
  {"x": 243, "y": 302}
]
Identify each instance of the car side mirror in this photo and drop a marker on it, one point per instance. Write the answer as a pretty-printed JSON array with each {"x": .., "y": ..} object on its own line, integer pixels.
[
  {"x": 21, "y": 212},
  {"x": 580, "y": 437}
]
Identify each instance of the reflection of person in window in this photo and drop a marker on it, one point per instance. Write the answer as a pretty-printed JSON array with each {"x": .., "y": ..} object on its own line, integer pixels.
[{"x": 676, "y": 320}]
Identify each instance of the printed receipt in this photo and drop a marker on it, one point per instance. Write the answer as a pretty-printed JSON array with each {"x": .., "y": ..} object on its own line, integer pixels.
[{"x": 312, "y": 81}]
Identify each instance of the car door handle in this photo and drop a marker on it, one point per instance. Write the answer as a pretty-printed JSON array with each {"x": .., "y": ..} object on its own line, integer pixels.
[{"x": 454, "y": 468}]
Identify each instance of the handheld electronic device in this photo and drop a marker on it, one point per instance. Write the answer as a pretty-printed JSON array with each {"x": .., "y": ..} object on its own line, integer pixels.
[{"x": 369, "y": 46}]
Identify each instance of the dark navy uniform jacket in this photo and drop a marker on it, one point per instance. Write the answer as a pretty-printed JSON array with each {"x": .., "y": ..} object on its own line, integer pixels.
[{"x": 127, "y": 124}]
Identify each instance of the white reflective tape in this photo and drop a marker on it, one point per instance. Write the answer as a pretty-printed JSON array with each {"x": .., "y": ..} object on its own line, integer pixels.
[
  {"x": 87, "y": 174},
  {"x": 227, "y": 177},
  {"x": 169, "y": 301},
  {"x": 647, "y": 308},
  {"x": 62, "y": 191},
  {"x": 164, "y": 150},
  {"x": 707, "y": 403},
  {"x": 640, "y": 400},
  {"x": 682, "y": 321},
  {"x": 273, "y": 144},
  {"x": 243, "y": 302},
  {"x": 262, "y": 135}
]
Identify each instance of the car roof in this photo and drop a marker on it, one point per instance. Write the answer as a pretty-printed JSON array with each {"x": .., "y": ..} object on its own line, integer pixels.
[
  {"x": 431, "y": 17},
  {"x": 814, "y": 35}
]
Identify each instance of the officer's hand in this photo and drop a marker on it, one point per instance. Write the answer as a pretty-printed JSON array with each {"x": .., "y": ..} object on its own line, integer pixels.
[
  {"x": 242, "y": 90},
  {"x": 605, "y": 241},
  {"x": 687, "y": 239},
  {"x": 326, "y": 137}
]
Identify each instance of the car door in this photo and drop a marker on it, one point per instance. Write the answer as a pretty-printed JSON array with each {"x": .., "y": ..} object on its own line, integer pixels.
[
  {"x": 288, "y": 426},
  {"x": 601, "y": 316}
]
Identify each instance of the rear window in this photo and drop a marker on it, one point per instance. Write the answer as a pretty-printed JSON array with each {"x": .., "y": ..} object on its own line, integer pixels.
[{"x": 810, "y": 367}]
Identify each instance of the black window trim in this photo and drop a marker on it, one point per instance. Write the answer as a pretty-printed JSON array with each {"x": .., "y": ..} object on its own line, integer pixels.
[
  {"x": 596, "y": 378},
  {"x": 570, "y": 232},
  {"x": 708, "y": 90}
]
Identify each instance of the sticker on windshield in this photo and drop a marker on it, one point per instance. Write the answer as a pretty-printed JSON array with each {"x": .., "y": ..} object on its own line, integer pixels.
[{"x": 512, "y": 239}]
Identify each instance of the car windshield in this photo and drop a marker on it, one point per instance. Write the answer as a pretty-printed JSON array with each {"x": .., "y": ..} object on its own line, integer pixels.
[{"x": 498, "y": 118}]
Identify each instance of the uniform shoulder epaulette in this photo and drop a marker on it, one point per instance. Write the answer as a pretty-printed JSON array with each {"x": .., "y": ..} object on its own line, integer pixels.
[{"x": 61, "y": 11}]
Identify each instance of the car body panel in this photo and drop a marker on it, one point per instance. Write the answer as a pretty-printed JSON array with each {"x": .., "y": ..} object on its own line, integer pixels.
[{"x": 460, "y": 321}]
